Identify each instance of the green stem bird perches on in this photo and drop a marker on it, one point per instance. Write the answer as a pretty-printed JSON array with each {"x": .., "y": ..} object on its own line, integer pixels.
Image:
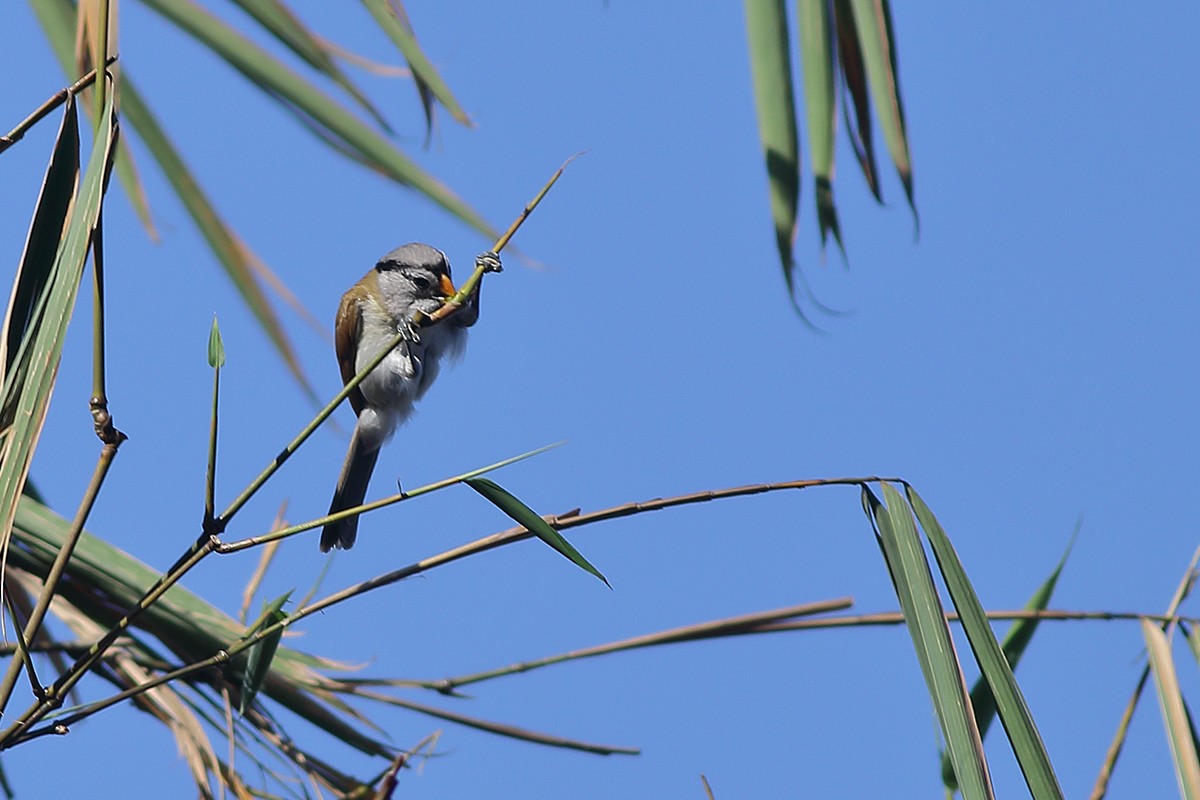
[{"x": 487, "y": 262}]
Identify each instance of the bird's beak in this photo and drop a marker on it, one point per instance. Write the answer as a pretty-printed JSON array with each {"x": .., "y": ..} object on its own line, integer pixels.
[{"x": 447, "y": 286}]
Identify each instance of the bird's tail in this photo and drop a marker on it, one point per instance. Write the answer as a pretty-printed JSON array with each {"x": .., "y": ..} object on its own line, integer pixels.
[{"x": 350, "y": 492}]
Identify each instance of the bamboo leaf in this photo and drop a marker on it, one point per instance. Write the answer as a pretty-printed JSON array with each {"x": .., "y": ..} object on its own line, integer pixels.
[
  {"x": 285, "y": 26},
  {"x": 1010, "y": 702},
  {"x": 874, "y": 23},
  {"x": 393, "y": 19},
  {"x": 817, "y": 57},
  {"x": 1016, "y": 640},
  {"x": 307, "y": 101},
  {"x": 527, "y": 517},
  {"x": 855, "y": 94},
  {"x": 926, "y": 623},
  {"x": 54, "y": 205},
  {"x": 1175, "y": 719},
  {"x": 774, "y": 100},
  {"x": 27, "y": 389},
  {"x": 57, "y": 16},
  {"x": 57, "y": 19},
  {"x": 258, "y": 661}
]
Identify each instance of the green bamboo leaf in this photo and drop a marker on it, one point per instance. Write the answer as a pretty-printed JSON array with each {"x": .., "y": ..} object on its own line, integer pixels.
[
  {"x": 57, "y": 17},
  {"x": 1016, "y": 640},
  {"x": 53, "y": 209},
  {"x": 392, "y": 18},
  {"x": 27, "y": 389},
  {"x": 216, "y": 348},
  {"x": 527, "y": 517},
  {"x": 774, "y": 100},
  {"x": 1010, "y": 702},
  {"x": 817, "y": 57},
  {"x": 855, "y": 94},
  {"x": 285, "y": 26},
  {"x": 874, "y": 22},
  {"x": 926, "y": 623},
  {"x": 101, "y": 578},
  {"x": 310, "y": 103},
  {"x": 1170, "y": 699},
  {"x": 60, "y": 31},
  {"x": 258, "y": 662}
]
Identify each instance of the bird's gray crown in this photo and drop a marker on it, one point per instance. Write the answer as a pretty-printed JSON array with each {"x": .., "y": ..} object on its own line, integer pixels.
[{"x": 415, "y": 254}]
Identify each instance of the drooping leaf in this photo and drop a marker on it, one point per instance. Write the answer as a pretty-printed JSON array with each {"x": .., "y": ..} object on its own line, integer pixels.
[
  {"x": 1010, "y": 703},
  {"x": 285, "y": 26},
  {"x": 1016, "y": 640},
  {"x": 774, "y": 101},
  {"x": 925, "y": 620},
  {"x": 527, "y": 517},
  {"x": 306, "y": 100},
  {"x": 874, "y": 23},
  {"x": 393, "y": 19},
  {"x": 856, "y": 101},
  {"x": 818, "y": 59}
]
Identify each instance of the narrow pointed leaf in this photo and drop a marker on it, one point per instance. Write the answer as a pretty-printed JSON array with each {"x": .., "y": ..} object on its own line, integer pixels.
[
  {"x": 856, "y": 101},
  {"x": 874, "y": 23},
  {"x": 285, "y": 26},
  {"x": 393, "y": 20},
  {"x": 925, "y": 620},
  {"x": 57, "y": 18},
  {"x": 54, "y": 205},
  {"x": 774, "y": 100},
  {"x": 258, "y": 662},
  {"x": 1016, "y": 640},
  {"x": 27, "y": 391},
  {"x": 1010, "y": 702},
  {"x": 817, "y": 57},
  {"x": 1175, "y": 720},
  {"x": 216, "y": 348},
  {"x": 304, "y": 98},
  {"x": 527, "y": 517}
]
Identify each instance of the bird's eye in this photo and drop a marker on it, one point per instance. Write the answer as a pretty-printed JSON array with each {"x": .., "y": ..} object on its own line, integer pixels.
[{"x": 421, "y": 282}]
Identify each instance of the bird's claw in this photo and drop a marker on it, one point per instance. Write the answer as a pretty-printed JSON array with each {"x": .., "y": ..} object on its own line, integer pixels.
[
  {"x": 406, "y": 327},
  {"x": 489, "y": 261}
]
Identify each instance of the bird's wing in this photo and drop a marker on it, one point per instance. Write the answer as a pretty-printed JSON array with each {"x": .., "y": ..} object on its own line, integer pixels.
[{"x": 345, "y": 338}]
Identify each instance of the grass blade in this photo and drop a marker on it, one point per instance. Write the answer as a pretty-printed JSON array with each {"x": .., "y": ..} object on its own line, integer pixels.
[
  {"x": 1175, "y": 718},
  {"x": 926, "y": 623},
  {"x": 527, "y": 517},
  {"x": 1010, "y": 702},
  {"x": 774, "y": 100}
]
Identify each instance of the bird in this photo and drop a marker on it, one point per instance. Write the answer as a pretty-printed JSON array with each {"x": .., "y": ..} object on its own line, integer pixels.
[{"x": 413, "y": 277}]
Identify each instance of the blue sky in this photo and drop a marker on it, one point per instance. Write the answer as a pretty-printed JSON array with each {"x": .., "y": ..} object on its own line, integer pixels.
[{"x": 1024, "y": 364}]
